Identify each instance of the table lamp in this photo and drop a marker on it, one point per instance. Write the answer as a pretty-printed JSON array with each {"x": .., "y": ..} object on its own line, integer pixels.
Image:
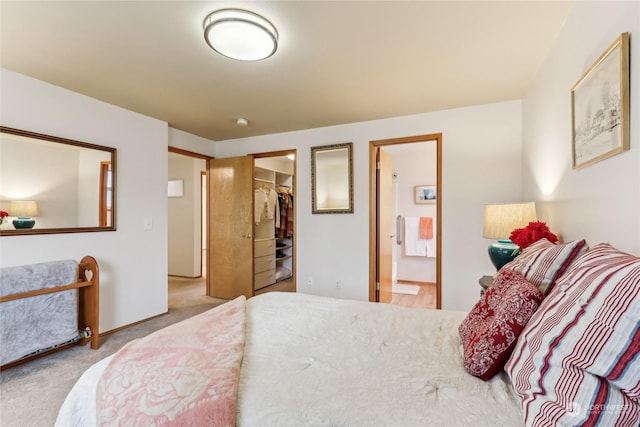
[
  {"x": 499, "y": 221},
  {"x": 23, "y": 210}
]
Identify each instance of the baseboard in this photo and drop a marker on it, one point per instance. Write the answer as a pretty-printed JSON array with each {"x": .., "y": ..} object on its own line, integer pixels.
[
  {"x": 185, "y": 277},
  {"x": 113, "y": 331}
]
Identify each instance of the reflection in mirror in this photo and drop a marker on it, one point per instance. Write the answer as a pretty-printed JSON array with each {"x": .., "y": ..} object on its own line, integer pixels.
[
  {"x": 55, "y": 185},
  {"x": 332, "y": 178}
]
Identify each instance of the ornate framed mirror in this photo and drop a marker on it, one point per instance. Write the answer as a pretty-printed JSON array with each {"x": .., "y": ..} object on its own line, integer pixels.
[{"x": 332, "y": 178}]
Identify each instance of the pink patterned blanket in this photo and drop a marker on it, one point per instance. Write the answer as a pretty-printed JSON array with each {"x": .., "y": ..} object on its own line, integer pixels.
[{"x": 185, "y": 374}]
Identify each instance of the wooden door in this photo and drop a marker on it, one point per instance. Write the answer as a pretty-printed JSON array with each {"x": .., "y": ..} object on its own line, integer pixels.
[
  {"x": 386, "y": 233},
  {"x": 231, "y": 227}
]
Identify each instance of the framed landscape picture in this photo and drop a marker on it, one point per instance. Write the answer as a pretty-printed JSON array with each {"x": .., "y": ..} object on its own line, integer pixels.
[
  {"x": 600, "y": 107},
  {"x": 425, "y": 194}
]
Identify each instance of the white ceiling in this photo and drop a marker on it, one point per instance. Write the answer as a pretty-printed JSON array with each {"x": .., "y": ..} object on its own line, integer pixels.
[{"x": 338, "y": 62}]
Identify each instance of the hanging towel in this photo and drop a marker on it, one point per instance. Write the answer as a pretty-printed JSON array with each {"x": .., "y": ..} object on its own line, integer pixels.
[
  {"x": 431, "y": 243},
  {"x": 426, "y": 227},
  {"x": 413, "y": 244}
]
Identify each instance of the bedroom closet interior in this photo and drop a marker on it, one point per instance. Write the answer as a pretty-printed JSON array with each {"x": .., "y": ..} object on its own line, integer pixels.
[{"x": 274, "y": 223}]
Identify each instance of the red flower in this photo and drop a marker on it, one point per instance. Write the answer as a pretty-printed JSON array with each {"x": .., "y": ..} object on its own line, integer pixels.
[
  {"x": 530, "y": 234},
  {"x": 4, "y": 214}
]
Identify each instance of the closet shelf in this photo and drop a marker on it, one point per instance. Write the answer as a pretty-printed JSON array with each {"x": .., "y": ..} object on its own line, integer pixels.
[
  {"x": 282, "y": 258},
  {"x": 269, "y": 181},
  {"x": 262, "y": 239}
]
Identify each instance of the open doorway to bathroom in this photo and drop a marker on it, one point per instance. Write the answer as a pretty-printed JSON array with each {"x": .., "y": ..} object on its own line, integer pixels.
[{"x": 405, "y": 221}]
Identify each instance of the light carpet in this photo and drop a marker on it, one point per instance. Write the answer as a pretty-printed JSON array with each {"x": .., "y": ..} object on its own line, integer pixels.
[{"x": 31, "y": 394}]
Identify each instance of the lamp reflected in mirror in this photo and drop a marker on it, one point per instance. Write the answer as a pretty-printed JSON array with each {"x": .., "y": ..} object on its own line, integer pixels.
[
  {"x": 24, "y": 211},
  {"x": 71, "y": 183}
]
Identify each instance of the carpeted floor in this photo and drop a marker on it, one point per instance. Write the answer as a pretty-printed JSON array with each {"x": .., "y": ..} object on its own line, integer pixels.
[{"x": 31, "y": 394}]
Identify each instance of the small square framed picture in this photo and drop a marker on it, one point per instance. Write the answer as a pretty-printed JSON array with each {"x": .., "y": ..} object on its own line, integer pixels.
[{"x": 425, "y": 194}]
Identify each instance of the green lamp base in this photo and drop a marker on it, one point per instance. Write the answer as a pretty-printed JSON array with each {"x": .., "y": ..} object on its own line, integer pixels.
[
  {"x": 22, "y": 223},
  {"x": 502, "y": 252}
]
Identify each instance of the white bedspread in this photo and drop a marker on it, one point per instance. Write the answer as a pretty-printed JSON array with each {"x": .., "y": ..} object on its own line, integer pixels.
[{"x": 315, "y": 361}]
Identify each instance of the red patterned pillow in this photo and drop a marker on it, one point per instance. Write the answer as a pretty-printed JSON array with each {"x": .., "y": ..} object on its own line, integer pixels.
[
  {"x": 577, "y": 361},
  {"x": 543, "y": 262},
  {"x": 490, "y": 330}
]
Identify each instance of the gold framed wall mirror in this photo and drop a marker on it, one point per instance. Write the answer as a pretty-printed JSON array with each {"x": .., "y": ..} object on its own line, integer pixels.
[
  {"x": 52, "y": 185},
  {"x": 332, "y": 178}
]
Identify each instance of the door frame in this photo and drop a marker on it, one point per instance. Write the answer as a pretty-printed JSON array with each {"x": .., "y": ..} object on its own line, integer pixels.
[
  {"x": 280, "y": 153},
  {"x": 373, "y": 202},
  {"x": 206, "y": 158}
]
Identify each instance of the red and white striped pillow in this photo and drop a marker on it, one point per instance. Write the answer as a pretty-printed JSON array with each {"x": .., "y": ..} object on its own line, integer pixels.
[
  {"x": 577, "y": 361},
  {"x": 543, "y": 262}
]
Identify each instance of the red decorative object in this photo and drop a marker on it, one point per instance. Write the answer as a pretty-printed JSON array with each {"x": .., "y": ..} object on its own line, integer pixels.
[
  {"x": 490, "y": 330},
  {"x": 4, "y": 214},
  {"x": 530, "y": 234}
]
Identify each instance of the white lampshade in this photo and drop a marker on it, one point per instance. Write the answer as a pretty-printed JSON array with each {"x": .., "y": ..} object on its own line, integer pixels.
[
  {"x": 23, "y": 208},
  {"x": 501, "y": 219},
  {"x": 240, "y": 34}
]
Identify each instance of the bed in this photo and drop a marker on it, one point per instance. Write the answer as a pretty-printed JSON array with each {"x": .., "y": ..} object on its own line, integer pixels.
[{"x": 290, "y": 359}]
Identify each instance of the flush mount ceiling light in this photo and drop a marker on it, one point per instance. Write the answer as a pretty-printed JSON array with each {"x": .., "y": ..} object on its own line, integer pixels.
[{"x": 240, "y": 34}]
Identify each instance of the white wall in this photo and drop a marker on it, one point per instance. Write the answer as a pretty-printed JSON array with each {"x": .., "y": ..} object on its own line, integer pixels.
[
  {"x": 481, "y": 164},
  {"x": 133, "y": 261},
  {"x": 189, "y": 142},
  {"x": 600, "y": 202}
]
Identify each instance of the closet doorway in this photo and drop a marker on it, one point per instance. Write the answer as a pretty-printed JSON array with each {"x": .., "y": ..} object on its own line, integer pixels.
[
  {"x": 249, "y": 251},
  {"x": 396, "y": 206},
  {"x": 274, "y": 179}
]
